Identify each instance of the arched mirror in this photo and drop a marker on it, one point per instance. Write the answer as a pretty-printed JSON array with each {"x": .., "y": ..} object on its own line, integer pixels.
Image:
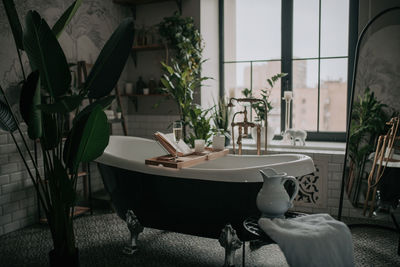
[{"x": 375, "y": 99}]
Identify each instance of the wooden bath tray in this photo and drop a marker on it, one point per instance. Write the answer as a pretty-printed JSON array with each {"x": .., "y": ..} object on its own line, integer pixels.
[{"x": 186, "y": 161}]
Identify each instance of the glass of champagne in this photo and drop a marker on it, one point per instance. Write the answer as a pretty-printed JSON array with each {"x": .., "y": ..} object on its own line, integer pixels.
[{"x": 177, "y": 130}]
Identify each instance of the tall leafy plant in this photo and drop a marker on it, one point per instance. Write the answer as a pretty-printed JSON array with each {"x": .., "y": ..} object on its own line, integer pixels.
[
  {"x": 367, "y": 123},
  {"x": 259, "y": 108},
  {"x": 45, "y": 101}
]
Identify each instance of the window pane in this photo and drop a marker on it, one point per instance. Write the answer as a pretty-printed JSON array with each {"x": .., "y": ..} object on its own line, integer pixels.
[
  {"x": 261, "y": 72},
  {"x": 237, "y": 77},
  {"x": 333, "y": 95},
  {"x": 334, "y": 27},
  {"x": 252, "y": 29},
  {"x": 305, "y": 28},
  {"x": 305, "y": 94}
]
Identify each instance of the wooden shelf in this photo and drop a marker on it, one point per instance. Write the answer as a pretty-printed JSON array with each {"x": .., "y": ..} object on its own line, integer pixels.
[
  {"x": 145, "y": 95},
  {"x": 138, "y": 2},
  {"x": 151, "y": 47}
]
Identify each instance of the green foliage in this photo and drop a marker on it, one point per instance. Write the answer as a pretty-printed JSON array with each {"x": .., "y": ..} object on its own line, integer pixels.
[
  {"x": 7, "y": 122},
  {"x": 182, "y": 76},
  {"x": 15, "y": 25},
  {"x": 46, "y": 55},
  {"x": 29, "y": 100},
  {"x": 185, "y": 38},
  {"x": 221, "y": 115},
  {"x": 47, "y": 99},
  {"x": 88, "y": 138},
  {"x": 65, "y": 18},
  {"x": 367, "y": 123},
  {"x": 181, "y": 84},
  {"x": 199, "y": 121},
  {"x": 259, "y": 108},
  {"x": 111, "y": 61}
]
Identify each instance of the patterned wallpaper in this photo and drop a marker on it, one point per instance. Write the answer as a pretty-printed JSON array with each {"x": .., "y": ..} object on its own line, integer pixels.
[{"x": 83, "y": 39}]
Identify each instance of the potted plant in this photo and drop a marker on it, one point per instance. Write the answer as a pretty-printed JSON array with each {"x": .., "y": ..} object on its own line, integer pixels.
[
  {"x": 45, "y": 101},
  {"x": 259, "y": 108},
  {"x": 221, "y": 120},
  {"x": 367, "y": 123},
  {"x": 199, "y": 122},
  {"x": 182, "y": 75}
]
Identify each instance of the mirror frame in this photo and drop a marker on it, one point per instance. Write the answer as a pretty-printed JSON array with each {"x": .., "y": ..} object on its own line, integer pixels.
[{"x": 356, "y": 57}]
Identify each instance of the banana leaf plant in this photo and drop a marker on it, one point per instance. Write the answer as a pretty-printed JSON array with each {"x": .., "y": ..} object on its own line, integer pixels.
[{"x": 46, "y": 98}]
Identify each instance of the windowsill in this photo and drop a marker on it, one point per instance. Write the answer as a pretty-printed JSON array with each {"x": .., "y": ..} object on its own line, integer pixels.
[{"x": 337, "y": 148}]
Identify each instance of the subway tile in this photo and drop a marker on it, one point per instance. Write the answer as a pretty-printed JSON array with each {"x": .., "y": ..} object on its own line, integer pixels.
[
  {"x": 18, "y": 195},
  {"x": 11, "y": 187},
  {"x": 5, "y": 219},
  {"x": 27, "y": 202},
  {"x": 5, "y": 198},
  {"x": 19, "y": 214},
  {"x": 28, "y": 221},
  {"x": 3, "y": 139},
  {"x": 7, "y": 149},
  {"x": 4, "y": 179},
  {"x": 334, "y": 185},
  {"x": 8, "y": 168},
  {"x": 322, "y": 157},
  {"x": 337, "y": 158},
  {"x": 335, "y": 167},
  {"x": 10, "y": 207},
  {"x": 3, "y": 159},
  {"x": 336, "y": 176},
  {"x": 17, "y": 176},
  {"x": 10, "y": 227}
]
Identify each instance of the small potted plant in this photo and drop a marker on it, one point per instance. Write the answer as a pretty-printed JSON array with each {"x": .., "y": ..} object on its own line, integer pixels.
[
  {"x": 221, "y": 120},
  {"x": 199, "y": 122},
  {"x": 259, "y": 108}
]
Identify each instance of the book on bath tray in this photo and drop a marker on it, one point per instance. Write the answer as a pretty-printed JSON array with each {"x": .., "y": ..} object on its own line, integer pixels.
[{"x": 168, "y": 142}]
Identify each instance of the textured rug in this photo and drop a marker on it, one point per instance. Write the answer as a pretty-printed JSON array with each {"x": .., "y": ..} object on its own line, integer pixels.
[{"x": 101, "y": 238}]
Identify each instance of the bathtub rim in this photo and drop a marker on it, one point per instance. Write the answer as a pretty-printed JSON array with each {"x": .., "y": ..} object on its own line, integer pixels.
[{"x": 246, "y": 174}]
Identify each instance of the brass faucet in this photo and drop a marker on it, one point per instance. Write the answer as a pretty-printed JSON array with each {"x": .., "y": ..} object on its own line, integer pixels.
[{"x": 245, "y": 124}]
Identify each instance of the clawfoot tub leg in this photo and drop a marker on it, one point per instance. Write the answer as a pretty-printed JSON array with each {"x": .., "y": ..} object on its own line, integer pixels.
[
  {"x": 230, "y": 241},
  {"x": 135, "y": 228}
]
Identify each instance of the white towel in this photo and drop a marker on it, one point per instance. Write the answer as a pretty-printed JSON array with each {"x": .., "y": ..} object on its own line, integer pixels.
[{"x": 311, "y": 240}]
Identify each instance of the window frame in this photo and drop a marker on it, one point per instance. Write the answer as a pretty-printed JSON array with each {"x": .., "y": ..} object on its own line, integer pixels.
[{"x": 287, "y": 62}]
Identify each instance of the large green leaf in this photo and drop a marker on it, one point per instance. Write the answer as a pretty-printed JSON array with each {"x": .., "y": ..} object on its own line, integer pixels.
[
  {"x": 15, "y": 25},
  {"x": 7, "y": 122},
  {"x": 66, "y": 18},
  {"x": 111, "y": 61},
  {"x": 64, "y": 105},
  {"x": 88, "y": 138},
  {"x": 45, "y": 54},
  {"x": 29, "y": 99},
  {"x": 63, "y": 184},
  {"x": 103, "y": 103},
  {"x": 51, "y": 136}
]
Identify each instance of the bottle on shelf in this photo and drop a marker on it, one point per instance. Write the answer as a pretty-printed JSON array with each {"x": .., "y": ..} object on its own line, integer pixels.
[
  {"x": 140, "y": 85},
  {"x": 152, "y": 86}
]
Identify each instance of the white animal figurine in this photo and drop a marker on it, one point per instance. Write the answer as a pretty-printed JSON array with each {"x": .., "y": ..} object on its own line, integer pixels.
[{"x": 293, "y": 134}]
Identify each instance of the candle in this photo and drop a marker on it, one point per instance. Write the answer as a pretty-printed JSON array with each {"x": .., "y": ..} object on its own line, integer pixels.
[
  {"x": 199, "y": 145},
  {"x": 288, "y": 95}
]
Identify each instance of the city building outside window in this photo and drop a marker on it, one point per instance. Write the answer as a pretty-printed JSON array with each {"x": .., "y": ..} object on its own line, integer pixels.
[{"x": 253, "y": 34}]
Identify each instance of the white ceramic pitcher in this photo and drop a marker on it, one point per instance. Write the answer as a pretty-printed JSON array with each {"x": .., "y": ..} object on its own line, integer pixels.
[{"x": 273, "y": 200}]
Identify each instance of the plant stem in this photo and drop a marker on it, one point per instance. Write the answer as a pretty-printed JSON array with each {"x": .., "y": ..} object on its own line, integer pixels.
[
  {"x": 35, "y": 184},
  {"x": 20, "y": 62}
]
